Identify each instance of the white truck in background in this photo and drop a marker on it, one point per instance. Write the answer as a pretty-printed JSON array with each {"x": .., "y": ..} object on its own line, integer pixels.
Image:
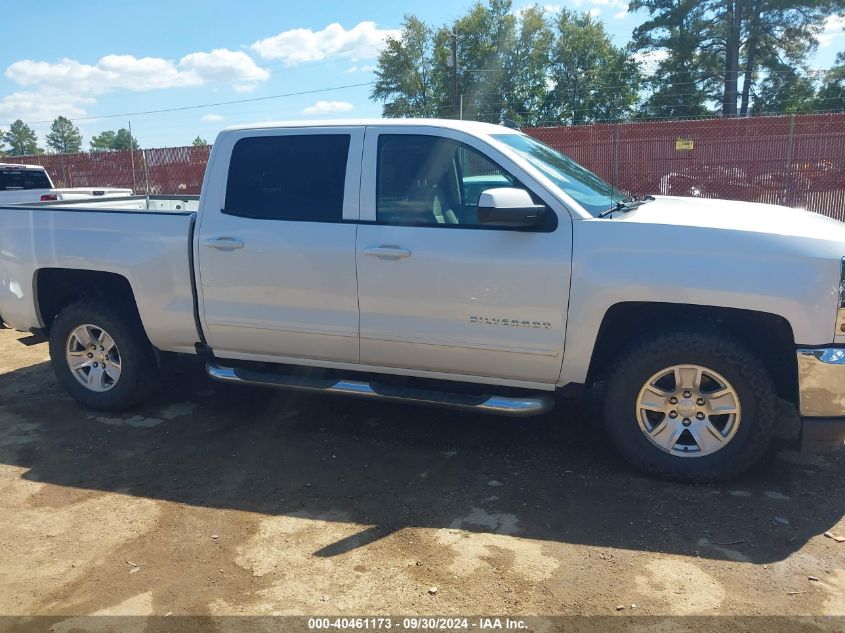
[
  {"x": 31, "y": 183},
  {"x": 448, "y": 263}
]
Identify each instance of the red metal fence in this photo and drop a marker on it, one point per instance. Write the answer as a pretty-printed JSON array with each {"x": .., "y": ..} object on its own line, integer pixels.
[
  {"x": 797, "y": 160},
  {"x": 167, "y": 170}
]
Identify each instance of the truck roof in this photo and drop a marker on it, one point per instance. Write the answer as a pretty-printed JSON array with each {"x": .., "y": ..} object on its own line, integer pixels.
[
  {"x": 476, "y": 127},
  {"x": 19, "y": 166}
]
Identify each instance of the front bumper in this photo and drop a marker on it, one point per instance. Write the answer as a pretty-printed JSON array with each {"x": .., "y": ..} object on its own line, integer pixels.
[{"x": 821, "y": 397}]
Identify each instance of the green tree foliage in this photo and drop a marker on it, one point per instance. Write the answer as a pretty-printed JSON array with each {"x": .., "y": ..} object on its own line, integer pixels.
[
  {"x": 103, "y": 142},
  {"x": 528, "y": 66},
  {"x": 110, "y": 140},
  {"x": 124, "y": 140},
  {"x": 831, "y": 95},
  {"x": 593, "y": 79},
  {"x": 485, "y": 39},
  {"x": 526, "y": 93},
  {"x": 784, "y": 91},
  {"x": 22, "y": 140},
  {"x": 3, "y": 147},
  {"x": 199, "y": 142},
  {"x": 406, "y": 77},
  {"x": 64, "y": 137},
  {"x": 684, "y": 79},
  {"x": 716, "y": 50}
]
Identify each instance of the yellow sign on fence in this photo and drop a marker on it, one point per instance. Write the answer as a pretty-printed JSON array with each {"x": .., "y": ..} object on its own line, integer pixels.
[{"x": 683, "y": 143}]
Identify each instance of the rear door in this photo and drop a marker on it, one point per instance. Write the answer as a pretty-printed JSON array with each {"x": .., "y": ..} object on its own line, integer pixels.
[
  {"x": 276, "y": 245},
  {"x": 440, "y": 292}
]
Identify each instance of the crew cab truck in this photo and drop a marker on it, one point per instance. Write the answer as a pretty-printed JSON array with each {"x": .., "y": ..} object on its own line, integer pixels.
[{"x": 449, "y": 263}]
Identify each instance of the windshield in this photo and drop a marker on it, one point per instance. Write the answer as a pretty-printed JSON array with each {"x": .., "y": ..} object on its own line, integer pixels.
[{"x": 590, "y": 191}]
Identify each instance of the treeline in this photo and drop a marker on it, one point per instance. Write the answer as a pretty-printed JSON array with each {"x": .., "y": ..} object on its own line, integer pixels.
[
  {"x": 689, "y": 58},
  {"x": 65, "y": 138}
]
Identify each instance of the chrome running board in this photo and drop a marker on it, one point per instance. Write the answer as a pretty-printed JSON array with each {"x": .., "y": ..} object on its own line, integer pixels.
[{"x": 500, "y": 405}]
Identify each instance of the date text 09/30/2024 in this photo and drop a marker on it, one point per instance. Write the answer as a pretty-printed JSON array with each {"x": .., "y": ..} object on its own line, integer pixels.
[{"x": 418, "y": 624}]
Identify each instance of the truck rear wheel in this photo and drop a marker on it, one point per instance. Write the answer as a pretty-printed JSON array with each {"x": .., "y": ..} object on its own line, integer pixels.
[
  {"x": 690, "y": 406},
  {"x": 102, "y": 356}
]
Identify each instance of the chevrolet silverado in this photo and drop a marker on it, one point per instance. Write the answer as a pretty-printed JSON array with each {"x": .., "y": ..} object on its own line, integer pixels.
[{"x": 448, "y": 263}]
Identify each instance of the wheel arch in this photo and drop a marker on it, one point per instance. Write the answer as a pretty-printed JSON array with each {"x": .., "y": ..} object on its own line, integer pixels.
[
  {"x": 56, "y": 288},
  {"x": 768, "y": 335}
]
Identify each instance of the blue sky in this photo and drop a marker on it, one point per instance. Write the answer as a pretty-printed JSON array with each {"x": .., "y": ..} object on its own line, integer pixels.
[{"x": 94, "y": 58}]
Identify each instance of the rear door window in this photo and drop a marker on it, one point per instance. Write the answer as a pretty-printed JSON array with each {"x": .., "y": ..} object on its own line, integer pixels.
[
  {"x": 290, "y": 177},
  {"x": 17, "y": 179}
]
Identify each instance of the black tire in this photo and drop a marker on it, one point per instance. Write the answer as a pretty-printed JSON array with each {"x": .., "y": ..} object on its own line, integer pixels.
[
  {"x": 139, "y": 366},
  {"x": 719, "y": 352}
]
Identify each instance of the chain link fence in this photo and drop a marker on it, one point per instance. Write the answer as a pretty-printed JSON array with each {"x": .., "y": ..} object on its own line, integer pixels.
[
  {"x": 169, "y": 170},
  {"x": 796, "y": 160}
]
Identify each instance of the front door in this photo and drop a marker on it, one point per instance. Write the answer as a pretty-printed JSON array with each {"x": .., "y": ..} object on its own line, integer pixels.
[
  {"x": 276, "y": 254},
  {"x": 440, "y": 292}
]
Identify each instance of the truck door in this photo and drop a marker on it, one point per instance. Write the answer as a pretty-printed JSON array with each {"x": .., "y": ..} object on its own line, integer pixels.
[
  {"x": 276, "y": 245},
  {"x": 439, "y": 291}
]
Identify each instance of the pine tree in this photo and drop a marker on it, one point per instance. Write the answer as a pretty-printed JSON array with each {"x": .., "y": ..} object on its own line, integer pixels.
[
  {"x": 64, "y": 137},
  {"x": 22, "y": 140}
]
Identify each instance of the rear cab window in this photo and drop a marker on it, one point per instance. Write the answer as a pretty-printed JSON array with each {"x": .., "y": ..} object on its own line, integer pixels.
[
  {"x": 288, "y": 177},
  {"x": 16, "y": 179}
]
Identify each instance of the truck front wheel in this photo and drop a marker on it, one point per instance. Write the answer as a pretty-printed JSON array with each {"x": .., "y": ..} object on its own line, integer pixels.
[
  {"x": 102, "y": 356},
  {"x": 690, "y": 406}
]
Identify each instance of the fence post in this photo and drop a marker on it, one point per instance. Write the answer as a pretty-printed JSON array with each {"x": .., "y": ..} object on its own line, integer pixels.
[
  {"x": 146, "y": 171},
  {"x": 616, "y": 156},
  {"x": 65, "y": 178},
  {"x": 790, "y": 144}
]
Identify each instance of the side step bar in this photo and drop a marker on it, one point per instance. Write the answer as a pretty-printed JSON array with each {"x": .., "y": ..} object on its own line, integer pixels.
[{"x": 500, "y": 405}]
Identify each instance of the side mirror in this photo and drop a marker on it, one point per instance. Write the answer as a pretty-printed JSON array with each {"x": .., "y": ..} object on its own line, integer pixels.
[{"x": 508, "y": 206}]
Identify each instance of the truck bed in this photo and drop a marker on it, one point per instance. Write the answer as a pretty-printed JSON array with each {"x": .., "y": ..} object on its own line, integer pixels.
[{"x": 145, "y": 239}]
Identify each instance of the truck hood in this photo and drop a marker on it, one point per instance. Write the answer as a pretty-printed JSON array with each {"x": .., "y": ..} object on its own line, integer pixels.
[{"x": 733, "y": 215}]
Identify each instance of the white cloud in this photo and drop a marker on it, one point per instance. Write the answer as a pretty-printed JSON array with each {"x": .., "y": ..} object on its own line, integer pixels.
[
  {"x": 361, "y": 69},
  {"x": 649, "y": 60},
  {"x": 295, "y": 46},
  {"x": 326, "y": 107},
  {"x": 65, "y": 86},
  {"x": 834, "y": 26},
  {"x": 620, "y": 16},
  {"x": 223, "y": 65},
  {"x": 547, "y": 8},
  {"x": 41, "y": 106},
  {"x": 126, "y": 72},
  {"x": 211, "y": 118},
  {"x": 595, "y": 12}
]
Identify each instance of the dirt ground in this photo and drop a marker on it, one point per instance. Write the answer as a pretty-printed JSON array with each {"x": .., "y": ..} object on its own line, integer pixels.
[{"x": 218, "y": 500}]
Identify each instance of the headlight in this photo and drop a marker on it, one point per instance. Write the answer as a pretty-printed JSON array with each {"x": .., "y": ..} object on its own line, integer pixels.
[{"x": 840, "y": 314}]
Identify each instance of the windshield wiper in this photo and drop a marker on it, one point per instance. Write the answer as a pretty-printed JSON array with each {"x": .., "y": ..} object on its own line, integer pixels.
[{"x": 626, "y": 205}]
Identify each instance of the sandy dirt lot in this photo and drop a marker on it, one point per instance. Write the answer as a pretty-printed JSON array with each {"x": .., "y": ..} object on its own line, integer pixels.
[{"x": 217, "y": 500}]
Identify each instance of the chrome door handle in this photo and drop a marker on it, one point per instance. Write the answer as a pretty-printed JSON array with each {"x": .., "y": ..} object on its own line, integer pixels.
[
  {"x": 224, "y": 243},
  {"x": 387, "y": 252}
]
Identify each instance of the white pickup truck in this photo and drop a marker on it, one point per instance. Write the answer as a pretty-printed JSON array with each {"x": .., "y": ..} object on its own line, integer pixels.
[
  {"x": 31, "y": 183},
  {"x": 449, "y": 263}
]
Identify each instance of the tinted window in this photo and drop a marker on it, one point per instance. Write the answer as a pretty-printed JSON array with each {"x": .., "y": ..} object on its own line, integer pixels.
[
  {"x": 430, "y": 180},
  {"x": 288, "y": 177},
  {"x": 23, "y": 179}
]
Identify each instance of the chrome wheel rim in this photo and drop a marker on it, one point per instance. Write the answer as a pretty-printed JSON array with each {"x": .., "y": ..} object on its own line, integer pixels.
[
  {"x": 93, "y": 358},
  {"x": 688, "y": 410}
]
